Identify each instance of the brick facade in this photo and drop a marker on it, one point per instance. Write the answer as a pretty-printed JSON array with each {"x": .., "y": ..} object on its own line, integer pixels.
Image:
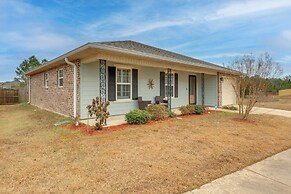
[{"x": 54, "y": 98}]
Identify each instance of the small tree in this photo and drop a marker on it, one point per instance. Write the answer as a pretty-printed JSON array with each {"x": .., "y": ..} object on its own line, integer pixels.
[
  {"x": 25, "y": 66},
  {"x": 253, "y": 79},
  {"x": 99, "y": 109}
]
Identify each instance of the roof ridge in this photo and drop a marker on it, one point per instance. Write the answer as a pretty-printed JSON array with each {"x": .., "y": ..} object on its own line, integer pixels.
[{"x": 174, "y": 54}]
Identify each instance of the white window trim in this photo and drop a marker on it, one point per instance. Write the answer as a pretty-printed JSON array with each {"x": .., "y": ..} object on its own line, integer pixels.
[
  {"x": 46, "y": 80},
  {"x": 174, "y": 84},
  {"x": 130, "y": 73},
  {"x": 60, "y": 77}
]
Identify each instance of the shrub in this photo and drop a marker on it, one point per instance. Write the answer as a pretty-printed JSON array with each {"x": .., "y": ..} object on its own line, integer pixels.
[
  {"x": 137, "y": 117},
  {"x": 199, "y": 109},
  {"x": 158, "y": 112},
  {"x": 172, "y": 114},
  {"x": 187, "y": 110},
  {"x": 230, "y": 107},
  {"x": 98, "y": 109}
]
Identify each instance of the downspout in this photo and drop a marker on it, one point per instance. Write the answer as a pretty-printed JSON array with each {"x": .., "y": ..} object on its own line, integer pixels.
[
  {"x": 29, "y": 90},
  {"x": 75, "y": 85}
]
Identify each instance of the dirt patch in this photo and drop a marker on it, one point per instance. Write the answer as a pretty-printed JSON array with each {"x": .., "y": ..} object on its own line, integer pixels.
[
  {"x": 244, "y": 120},
  {"x": 171, "y": 156}
]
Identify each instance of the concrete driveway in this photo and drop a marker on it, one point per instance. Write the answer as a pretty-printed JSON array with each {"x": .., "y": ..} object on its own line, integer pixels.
[
  {"x": 272, "y": 175},
  {"x": 270, "y": 111}
]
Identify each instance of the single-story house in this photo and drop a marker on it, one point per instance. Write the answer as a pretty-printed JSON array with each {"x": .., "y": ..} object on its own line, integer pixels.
[
  {"x": 10, "y": 85},
  {"x": 123, "y": 71}
]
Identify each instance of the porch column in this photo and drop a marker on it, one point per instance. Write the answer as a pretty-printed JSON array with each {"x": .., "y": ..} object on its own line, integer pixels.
[
  {"x": 169, "y": 90},
  {"x": 203, "y": 89},
  {"x": 102, "y": 80},
  {"x": 219, "y": 89}
]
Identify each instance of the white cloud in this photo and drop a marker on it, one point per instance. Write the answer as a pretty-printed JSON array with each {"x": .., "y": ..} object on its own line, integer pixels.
[
  {"x": 285, "y": 59},
  {"x": 5, "y": 59},
  {"x": 283, "y": 40},
  {"x": 286, "y": 35},
  {"x": 221, "y": 55},
  {"x": 246, "y": 8},
  {"x": 18, "y": 7},
  {"x": 38, "y": 40},
  {"x": 131, "y": 23}
]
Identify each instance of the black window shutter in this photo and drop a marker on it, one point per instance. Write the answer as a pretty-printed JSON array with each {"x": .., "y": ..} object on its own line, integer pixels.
[
  {"x": 111, "y": 83},
  {"x": 162, "y": 84},
  {"x": 134, "y": 84},
  {"x": 176, "y": 85}
]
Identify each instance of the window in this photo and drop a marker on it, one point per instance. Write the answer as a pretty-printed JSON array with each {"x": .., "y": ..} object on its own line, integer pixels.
[
  {"x": 123, "y": 83},
  {"x": 46, "y": 79},
  {"x": 60, "y": 77},
  {"x": 168, "y": 86}
]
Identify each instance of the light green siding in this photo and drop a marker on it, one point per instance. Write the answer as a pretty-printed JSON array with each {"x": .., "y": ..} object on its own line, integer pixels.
[
  {"x": 90, "y": 88},
  {"x": 89, "y": 74},
  {"x": 211, "y": 93}
]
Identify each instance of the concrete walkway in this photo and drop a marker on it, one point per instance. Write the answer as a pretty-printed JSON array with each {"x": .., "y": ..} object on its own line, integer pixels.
[
  {"x": 116, "y": 120},
  {"x": 272, "y": 175},
  {"x": 111, "y": 121}
]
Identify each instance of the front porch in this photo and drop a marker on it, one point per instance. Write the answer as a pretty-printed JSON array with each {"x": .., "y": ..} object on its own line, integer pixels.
[{"x": 105, "y": 78}]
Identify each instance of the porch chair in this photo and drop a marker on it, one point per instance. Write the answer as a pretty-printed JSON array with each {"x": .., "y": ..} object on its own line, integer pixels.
[
  {"x": 160, "y": 100},
  {"x": 143, "y": 104}
]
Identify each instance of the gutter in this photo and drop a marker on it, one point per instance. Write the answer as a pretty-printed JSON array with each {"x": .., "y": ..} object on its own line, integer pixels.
[
  {"x": 29, "y": 90},
  {"x": 75, "y": 85}
]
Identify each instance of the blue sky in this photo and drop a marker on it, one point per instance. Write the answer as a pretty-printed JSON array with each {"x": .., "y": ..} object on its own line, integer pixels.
[{"x": 214, "y": 30}]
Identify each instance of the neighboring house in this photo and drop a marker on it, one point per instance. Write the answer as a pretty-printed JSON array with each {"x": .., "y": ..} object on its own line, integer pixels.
[
  {"x": 10, "y": 85},
  {"x": 122, "y": 71}
]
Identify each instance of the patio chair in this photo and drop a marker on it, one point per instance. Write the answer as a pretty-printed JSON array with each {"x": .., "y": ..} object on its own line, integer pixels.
[
  {"x": 143, "y": 104},
  {"x": 160, "y": 100}
]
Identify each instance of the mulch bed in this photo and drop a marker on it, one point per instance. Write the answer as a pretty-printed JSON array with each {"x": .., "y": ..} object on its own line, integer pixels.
[{"x": 90, "y": 130}]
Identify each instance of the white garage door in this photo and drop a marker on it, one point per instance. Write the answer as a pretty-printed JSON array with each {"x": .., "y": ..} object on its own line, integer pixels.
[{"x": 228, "y": 93}]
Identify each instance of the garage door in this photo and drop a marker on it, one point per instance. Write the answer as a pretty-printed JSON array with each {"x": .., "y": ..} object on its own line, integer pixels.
[{"x": 228, "y": 93}]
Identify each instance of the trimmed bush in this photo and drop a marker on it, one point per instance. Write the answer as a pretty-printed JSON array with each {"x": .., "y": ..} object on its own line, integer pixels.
[
  {"x": 230, "y": 107},
  {"x": 158, "y": 112},
  {"x": 187, "y": 110},
  {"x": 199, "y": 109},
  {"x": 137, "y": 117},
  {"x": 172, "y": 114}
]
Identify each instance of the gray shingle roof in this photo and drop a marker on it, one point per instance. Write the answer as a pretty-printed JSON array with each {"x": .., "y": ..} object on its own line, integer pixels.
[{"x": 136, "y": 46}]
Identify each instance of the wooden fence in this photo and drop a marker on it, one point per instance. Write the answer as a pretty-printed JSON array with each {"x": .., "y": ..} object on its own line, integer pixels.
[
  {"x": 286, "y": 92},
  {"x": 23, "y": 94},
  {"x": 9, "y": 96}
]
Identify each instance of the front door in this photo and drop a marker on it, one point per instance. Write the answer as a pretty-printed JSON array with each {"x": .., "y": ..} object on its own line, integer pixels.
[{"x": 192, "y": 89}]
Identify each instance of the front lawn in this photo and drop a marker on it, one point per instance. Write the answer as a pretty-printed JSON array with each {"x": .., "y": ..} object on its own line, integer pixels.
[{"x": 168, "y": 157}]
